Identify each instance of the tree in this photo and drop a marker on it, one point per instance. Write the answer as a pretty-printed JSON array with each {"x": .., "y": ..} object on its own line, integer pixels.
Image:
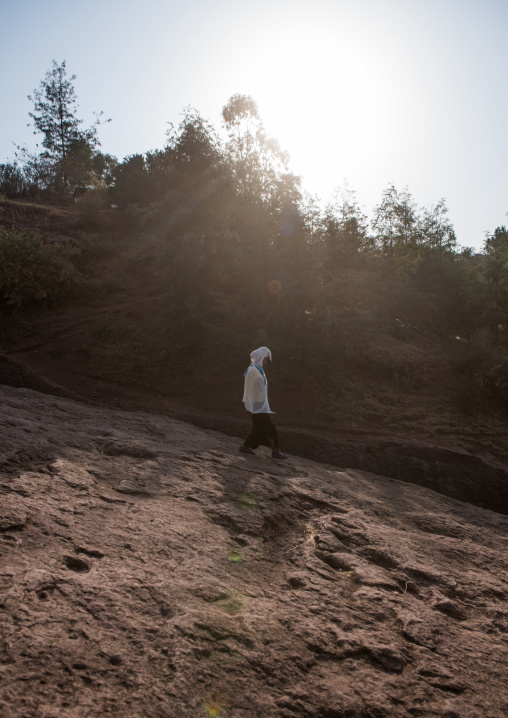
[
  {"x": 38, "y": 170},
  {"x": 239, "y": 115},
  {"x": 13, "y": 182},
  {"x": 130, "y": 182},
  {"x": 195, "y": 147},
  {"x": 437, "y": 229},
  {"x": 496, "y": 278},
  {"x": 86, "y": 166},
  {"x": 54, "y": 115},
  {"x": 346, "y": 228},
  {"x": 395, "y": 222},
  {"x": 103, "y": 167},
  {"x": 201, "y": 176},
  {"x": 259, "y": 164}
]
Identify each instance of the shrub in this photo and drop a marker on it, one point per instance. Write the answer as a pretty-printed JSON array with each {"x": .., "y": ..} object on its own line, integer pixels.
[
  {"x": 496, "y": 379},
  {"x": 32, "y": 270},
  {"x": 471, "y": 369},
  {"x": 13, "y": 182},
  {"x": 89, "y": 208}
]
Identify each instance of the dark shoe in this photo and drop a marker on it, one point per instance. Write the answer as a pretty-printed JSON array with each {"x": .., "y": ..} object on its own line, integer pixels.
[
  {"x": 280, "y": 455},
  {"x": 246, "y": 450}
]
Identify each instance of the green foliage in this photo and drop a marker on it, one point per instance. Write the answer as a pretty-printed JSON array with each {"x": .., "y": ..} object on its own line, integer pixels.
[
  {"x": 54, "y": 115},
  {"x": 345, "y": 230},
  {"x": 38, "y": 172},
  {"x": 260, "y": 166},
  {"x": 496, "y": 379},
  {"x": 86, "y": 166},
  {"x": 13, "y": 181},
  {"x": 68, "y": 148},
  {"x": 471, "y": 369},
  {"x": 89, "y": 208},
  {"x": 129, "y": 182},
  {"x": 495, "y": 274},
  {"x": 31, "y": 270},
  {"x": 239, "y": 107},
  {"x": 436, "y": 228},
  {"x": 395, "y": 221}
]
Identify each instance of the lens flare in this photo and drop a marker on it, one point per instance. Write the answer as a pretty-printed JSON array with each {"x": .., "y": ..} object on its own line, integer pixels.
[
  {"x": 287, "y": 228},
  {"x": 213, "y": 709},
  {"x": 247, "y": 501},
  {"x": 274, "y": 287},
  {"x": 231, "y": 602},
  {"x": 235, "y": 557}
]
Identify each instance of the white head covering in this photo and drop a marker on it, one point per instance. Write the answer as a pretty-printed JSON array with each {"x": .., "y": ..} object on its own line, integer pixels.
[{"x": 258, "y": 355}]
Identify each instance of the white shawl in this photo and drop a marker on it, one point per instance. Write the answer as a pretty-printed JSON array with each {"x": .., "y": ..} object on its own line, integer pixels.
[{"x": 255, "y": 395}]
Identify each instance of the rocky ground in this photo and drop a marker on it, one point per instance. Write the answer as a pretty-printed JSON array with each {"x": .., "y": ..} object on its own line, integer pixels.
[{"x": 149, "y": 569}]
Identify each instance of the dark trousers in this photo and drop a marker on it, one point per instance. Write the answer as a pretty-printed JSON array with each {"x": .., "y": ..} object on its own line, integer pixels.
[{"x": 262, "y": 428}]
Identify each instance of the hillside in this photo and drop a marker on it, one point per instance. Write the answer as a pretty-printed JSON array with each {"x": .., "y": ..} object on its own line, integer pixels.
[
  {"x": 120, "y": 339},
  {"x": 149, "y": 569}
]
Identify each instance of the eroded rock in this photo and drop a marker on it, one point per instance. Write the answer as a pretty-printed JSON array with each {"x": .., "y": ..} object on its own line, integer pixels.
[{"x": 188, "y": 580}]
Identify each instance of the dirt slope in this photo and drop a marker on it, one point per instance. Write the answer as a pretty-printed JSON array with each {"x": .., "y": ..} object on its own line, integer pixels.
[{"x": 149, "y": 569}]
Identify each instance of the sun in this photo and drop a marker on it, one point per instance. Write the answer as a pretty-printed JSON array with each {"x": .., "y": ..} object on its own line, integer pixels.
[
  {"x": 319, "y": 97},
  {"x": 328, "y": 91}
]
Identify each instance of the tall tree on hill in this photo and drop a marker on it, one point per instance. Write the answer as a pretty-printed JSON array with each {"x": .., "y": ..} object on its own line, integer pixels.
[
  {"x": 395, "y": 222},
  {"x": 54, "y": 115},
  {"x": 346, "y": 229},
  {"x": 239, "y": 115},
  {"x": 201, "y": 175},
  {"x": 260, "y": 166},
  {"x": 130, "y": 182},
  {"x": 437, "y": 229}
]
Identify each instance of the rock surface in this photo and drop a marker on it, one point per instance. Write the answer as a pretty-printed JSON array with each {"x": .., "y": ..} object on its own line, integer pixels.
[
  {"x": 149, "y": 569},
  {"x": 478, "y": 479}
]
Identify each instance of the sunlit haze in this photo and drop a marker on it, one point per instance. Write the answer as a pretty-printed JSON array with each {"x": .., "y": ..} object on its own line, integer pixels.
[{"x": 409, "y": 92}]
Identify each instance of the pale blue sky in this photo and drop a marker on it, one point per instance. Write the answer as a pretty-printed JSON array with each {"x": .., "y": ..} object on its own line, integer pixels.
[{"x": 412, "y": 92}]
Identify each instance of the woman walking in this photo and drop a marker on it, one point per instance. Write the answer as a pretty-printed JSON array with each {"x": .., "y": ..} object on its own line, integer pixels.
[{"x": 255, "y": 399}]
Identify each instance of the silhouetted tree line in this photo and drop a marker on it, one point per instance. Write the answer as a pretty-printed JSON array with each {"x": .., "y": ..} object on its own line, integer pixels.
[
  {"x": 238, "y": 225},
  {"x": 248, "y": 254}
]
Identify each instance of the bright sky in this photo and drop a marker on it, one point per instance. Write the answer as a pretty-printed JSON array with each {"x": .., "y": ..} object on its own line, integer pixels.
[{"x": 409, "y": 92}]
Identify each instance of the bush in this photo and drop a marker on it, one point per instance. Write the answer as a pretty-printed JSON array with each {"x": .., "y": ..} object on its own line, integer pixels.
[
  {"x": 496, "y": 379},
  {"x": 32, "y": 270},
  {"x": 471, "y": 369},
  {"x": 89, "y": 208},
  {"x": 12, "y": 181}
]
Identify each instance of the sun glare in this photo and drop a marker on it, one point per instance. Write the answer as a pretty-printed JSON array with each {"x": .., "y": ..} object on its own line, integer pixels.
[
  {"x": 342, "y": 96},
  {"x": 320, "y": 96}
]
